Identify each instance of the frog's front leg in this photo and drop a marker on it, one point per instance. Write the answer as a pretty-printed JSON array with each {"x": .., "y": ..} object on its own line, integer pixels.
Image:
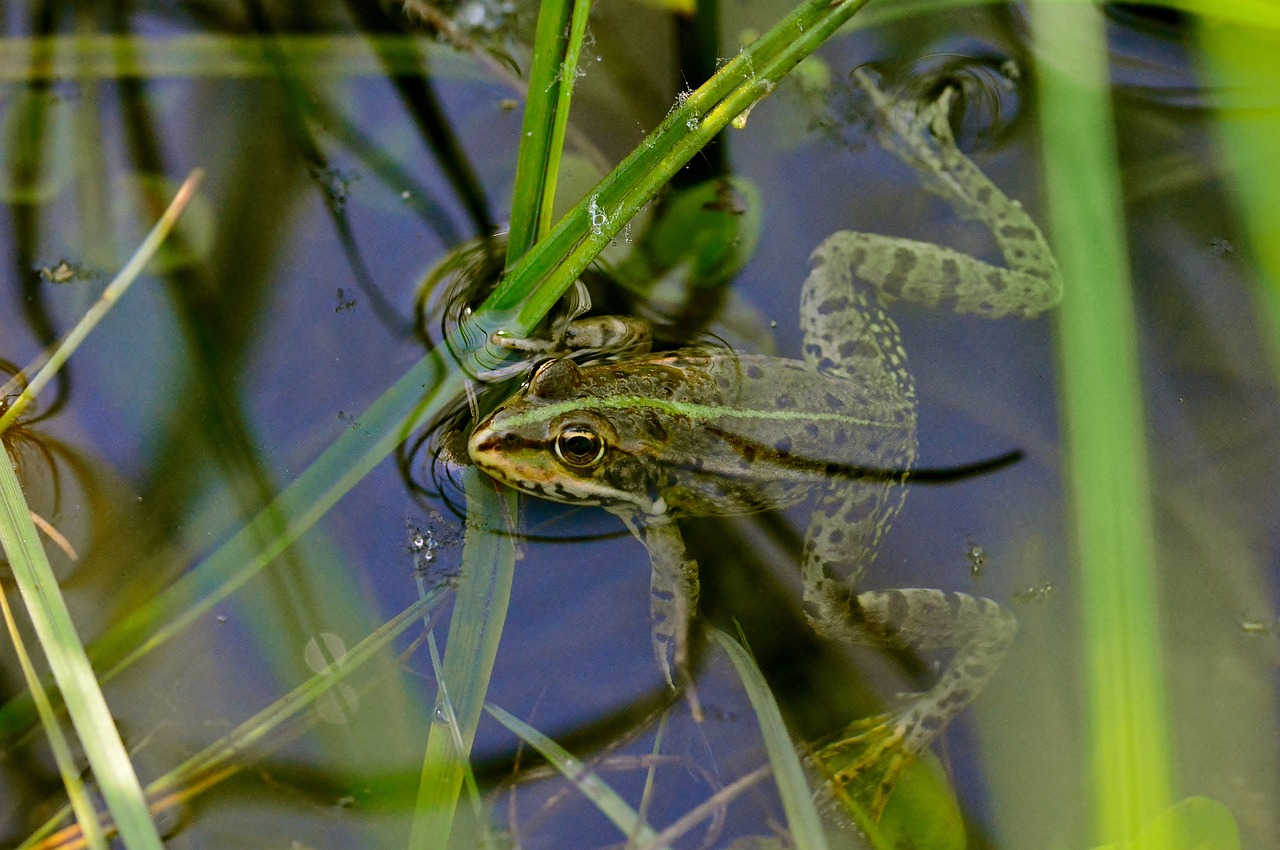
[
  {"x": 933, "y": 275},
  {"x": 673, "y": 593}
]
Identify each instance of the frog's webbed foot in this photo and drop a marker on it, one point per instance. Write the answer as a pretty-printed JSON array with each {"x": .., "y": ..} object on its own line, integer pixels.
[{"x": 863, "y": 766}]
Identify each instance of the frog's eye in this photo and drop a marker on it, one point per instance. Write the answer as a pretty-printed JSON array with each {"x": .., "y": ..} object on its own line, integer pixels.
[{"x": 579, "y": 446}]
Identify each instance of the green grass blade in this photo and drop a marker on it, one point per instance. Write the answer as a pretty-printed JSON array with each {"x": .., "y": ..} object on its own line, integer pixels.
[
  {"x": 1106, "y": 453},
  {"x": 564, "y": 95},
  {"x": 479, "y": 613},
  {"x": 85, "y": 811},
  {"x": 793, "y": 787},
  {"x": 537, "y": 133},
  {"x": 595, "y": 789},
  {"x": 70, "y": 666}
]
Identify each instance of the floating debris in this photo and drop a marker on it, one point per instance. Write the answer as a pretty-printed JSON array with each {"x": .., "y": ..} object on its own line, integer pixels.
[
  {"x": 1035, "y": 594},
  {"x": 425, "y": 541},
  {"x": 976, "y": 556},
  {"x": 344, "y": 303}
]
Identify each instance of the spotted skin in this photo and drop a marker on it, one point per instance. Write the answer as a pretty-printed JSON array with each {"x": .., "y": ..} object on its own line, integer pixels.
[{"x": 691, "y": 433}]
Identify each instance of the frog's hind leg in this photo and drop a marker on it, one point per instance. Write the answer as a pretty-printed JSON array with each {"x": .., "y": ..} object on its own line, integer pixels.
[
  {"x": 871, "y": 754},
  {"x": 932, "y": 275}
]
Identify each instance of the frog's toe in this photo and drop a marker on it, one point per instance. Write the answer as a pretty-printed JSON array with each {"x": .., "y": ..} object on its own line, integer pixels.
[
  {"x": 937, "y": 116},
  {"x": 863, "y": 766}
]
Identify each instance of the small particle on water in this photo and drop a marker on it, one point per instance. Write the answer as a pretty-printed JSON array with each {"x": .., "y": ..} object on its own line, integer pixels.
[
  {"x": 61, "y": 273},
  {"x": 1221, "y": 247},
  {"x": 335, "y": 182},
  {"x": 1260, "y": 627},
  {"x": 424, "y": 542},
  {"x": 977, "y": 558},
  {"x": 508, "y": 104},
  {"x": 65, "y": 271},
  {"x": 773, "y": 323},
  {"x": 1035, "y": 594},
  {"x": 344, "y": 303}
]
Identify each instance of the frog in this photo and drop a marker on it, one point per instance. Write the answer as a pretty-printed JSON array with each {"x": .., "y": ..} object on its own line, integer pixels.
[{"x": 701, "y": 431}]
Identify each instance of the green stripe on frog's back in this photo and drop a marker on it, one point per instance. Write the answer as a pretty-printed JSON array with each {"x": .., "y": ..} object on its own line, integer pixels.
[{"x": 697, "y": 412}]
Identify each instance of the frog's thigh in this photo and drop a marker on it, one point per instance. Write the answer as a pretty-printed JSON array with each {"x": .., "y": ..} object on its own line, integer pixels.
[{"x": 977, "y": 629}]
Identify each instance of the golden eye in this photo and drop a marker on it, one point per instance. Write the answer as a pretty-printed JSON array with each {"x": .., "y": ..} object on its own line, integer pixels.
[{"x": 579, "y": 446}]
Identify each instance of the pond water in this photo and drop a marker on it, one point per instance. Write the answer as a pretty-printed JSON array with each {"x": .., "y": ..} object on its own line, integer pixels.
[{"x": 336, "y": 178}]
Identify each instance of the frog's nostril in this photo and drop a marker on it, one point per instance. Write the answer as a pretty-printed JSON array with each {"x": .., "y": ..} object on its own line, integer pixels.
[{"x": 486, "y": 443}]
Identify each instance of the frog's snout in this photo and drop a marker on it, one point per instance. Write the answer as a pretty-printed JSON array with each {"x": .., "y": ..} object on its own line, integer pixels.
[{"x": 483, "y": 443}]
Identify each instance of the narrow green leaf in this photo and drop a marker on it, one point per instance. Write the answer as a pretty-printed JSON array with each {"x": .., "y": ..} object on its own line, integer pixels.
[
  {"x": 1106, "y": 452},
  {"x": 564, "y": 95},
  {"x": 793, "y": 787},
  {"x": 479, "y": 613},
  {"x": 1243, "y": 63},
  {"x": 70, "y": 666},
  {"x": 537, "y": 131},
  {"x": 81, "y": 804}
]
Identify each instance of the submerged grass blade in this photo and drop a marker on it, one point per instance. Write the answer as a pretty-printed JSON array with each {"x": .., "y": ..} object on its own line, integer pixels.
[
  {"x": 1101, "y": 402},
  {"x": 70, "y": 666},
  {"x": 595, "y": 789},
  {"x": 219, "y": 760},
  {"x": 113, "y": 292},
  {"x": 1243, "y": 65},
  {"x": 797, "y": 798},
  {"x": 415, "y": 399},
  {"x": 479, "y": 613},
  {"x": 222, "y": 753}
]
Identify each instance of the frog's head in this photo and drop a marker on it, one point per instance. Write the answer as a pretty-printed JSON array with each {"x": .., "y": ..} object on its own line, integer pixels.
[{"x": 557, "y": 439}]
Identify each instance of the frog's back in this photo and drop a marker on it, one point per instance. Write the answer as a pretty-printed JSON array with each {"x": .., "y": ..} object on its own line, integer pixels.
[
  {"x": 784, "y": 429},
  {"x": 754, "y": 432}
]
